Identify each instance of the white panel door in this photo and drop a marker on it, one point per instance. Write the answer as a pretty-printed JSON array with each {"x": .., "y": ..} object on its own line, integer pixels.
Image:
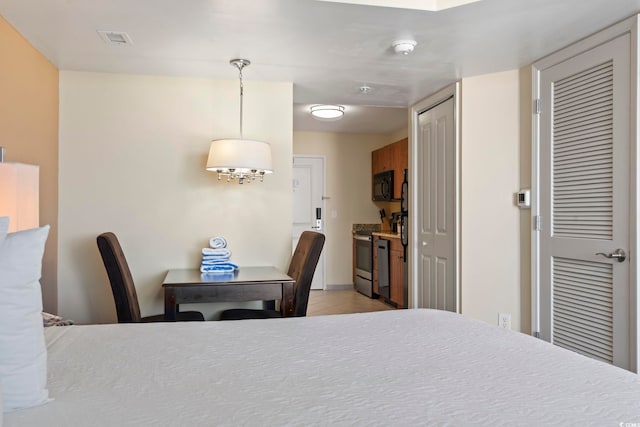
[
  {"x": 308, "y": 205},
  {"x": 584, "y": 202},
  {"x": 436, "y": 221}
]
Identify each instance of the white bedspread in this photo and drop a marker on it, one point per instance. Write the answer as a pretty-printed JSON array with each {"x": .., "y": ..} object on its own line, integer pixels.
[{"x": 405, "y": 367}]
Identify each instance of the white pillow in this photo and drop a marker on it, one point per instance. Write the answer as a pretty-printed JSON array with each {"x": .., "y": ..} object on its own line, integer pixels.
[{"x": 23, "y": 354}]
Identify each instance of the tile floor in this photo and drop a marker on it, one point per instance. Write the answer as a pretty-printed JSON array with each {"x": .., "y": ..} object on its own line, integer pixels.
[{"x": 342, "y": 302}]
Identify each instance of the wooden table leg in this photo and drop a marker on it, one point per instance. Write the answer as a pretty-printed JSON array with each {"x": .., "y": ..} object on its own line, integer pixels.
[
  {"x": 287, "y": 299},
  {"x": 170, "y": 306}
]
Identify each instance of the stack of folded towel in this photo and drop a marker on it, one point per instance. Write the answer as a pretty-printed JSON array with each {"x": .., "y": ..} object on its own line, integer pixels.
[{"x": 215, "y": 258}]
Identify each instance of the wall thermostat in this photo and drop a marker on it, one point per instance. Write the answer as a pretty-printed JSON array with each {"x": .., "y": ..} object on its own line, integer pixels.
[{"x": 524, "y": 198}]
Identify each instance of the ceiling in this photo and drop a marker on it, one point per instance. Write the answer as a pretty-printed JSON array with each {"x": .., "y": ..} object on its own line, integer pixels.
[{"x": 327, "y": 49}]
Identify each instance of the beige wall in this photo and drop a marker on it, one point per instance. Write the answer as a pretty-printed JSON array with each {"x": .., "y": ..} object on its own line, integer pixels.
[
  {"x": 526, "y": 105},
  {"x": 400, "y": 133},
  {"x": 132, "y": 156},
  {"x": 494, "y": 147},
  {"x": 348, "y": 186},
  {"x": 29, "y": 132}
]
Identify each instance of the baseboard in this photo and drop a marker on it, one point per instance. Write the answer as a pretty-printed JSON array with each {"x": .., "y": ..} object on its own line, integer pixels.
[{"x": 348, "y": 287}]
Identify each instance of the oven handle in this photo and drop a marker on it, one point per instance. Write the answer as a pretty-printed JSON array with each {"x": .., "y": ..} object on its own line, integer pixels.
[{"x": 362, "y": 237}]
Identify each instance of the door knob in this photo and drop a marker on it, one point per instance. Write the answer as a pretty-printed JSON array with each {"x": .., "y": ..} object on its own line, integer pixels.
[
  {"x": 618, "y": 254},
  {"x": 424, "y": 243}
]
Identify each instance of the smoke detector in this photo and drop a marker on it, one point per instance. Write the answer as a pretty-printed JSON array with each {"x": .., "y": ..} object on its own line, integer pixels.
[{"x": 404, "y": 47}]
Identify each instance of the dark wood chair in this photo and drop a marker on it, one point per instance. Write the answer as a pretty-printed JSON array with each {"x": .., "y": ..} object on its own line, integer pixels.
[
  {"x": 124, "y": 290},
  {"x": 301, "y": 269}
]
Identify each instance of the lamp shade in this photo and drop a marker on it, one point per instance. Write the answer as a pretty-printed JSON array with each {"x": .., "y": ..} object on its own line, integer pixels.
[
  {"x": 19, "y": 198},
  {"x": 240, "y": 155}
]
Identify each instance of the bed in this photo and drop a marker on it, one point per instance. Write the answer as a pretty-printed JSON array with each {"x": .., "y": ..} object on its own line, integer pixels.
[{"x": 401, "y": 367}]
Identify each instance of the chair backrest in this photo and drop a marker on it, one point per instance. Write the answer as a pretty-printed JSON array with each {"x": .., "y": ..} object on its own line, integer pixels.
[
  {"x": 122, "y": 286},
  {"x": 303, "y": 266}
]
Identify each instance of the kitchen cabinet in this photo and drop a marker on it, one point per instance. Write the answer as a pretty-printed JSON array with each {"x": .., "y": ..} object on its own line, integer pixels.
[
  {"x": 383, "y": 159},
  {"x": 401, "y": 162},
  {"x": 393, "y": 157},
  {"x": 396, "y": 269}
]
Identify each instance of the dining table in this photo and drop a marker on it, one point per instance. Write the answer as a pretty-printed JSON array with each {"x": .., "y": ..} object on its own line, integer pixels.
[{"x": 247, "y": 283}]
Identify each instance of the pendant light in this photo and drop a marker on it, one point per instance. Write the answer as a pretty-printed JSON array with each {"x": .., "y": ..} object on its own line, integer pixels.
[{"x": 241, "y": 159}]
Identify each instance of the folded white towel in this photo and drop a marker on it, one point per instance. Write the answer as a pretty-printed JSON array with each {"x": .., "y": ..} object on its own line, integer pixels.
[
  {"x": 217, "y": 242},
  {"x": 219, "y": 268},
  {"x": 217, "y": 253},
  {"x": 214, "y": 261}
]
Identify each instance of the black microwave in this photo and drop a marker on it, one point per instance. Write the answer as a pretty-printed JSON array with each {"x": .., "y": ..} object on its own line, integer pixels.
[{"x": 383, "y": 186}]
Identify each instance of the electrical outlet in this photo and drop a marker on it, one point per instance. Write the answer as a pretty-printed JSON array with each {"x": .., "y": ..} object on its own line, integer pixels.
[{"x": 504, "y": 320}]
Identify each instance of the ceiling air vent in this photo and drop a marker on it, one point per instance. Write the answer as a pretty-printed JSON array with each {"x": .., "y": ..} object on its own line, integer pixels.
[{"x": 115, "y": 38}]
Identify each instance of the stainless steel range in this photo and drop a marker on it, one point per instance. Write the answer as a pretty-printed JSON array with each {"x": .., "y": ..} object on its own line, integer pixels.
[{"x": 364, "y": 262}]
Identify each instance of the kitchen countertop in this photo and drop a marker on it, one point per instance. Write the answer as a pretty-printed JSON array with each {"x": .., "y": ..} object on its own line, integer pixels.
[{"x": 386, "y": 234}]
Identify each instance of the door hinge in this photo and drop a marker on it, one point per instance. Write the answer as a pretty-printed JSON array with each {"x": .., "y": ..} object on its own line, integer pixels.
[
  {"x": 537, "y": 107},
  {"x": 537, "y": 223}
]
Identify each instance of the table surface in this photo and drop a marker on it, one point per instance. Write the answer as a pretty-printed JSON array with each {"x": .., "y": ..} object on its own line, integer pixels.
[{"x": 244, "y": 275}]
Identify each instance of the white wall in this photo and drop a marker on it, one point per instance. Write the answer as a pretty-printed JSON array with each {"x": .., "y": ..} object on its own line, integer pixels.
[
  {"x": 490, "y": 221},
  {"x": 132, "y": 156},
  {"x": 348, "y": 186}
]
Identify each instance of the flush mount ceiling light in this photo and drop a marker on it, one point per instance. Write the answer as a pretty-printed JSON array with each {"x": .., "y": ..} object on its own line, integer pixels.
[
  {"x": 241, "y": 159},
  {"x": 404, "y": 47},
  {"x": 327, "y": 112}
]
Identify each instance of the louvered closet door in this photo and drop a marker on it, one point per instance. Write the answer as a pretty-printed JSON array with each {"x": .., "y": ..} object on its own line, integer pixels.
[{"x": 584, "y": 193}]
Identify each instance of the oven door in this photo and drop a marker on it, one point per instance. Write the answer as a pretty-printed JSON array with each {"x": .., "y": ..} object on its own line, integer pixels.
[{"x": 364, "y": 257}]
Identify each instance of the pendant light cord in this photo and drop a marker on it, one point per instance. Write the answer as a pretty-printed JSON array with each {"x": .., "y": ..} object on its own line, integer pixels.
[{"x": 240, "y": 67}]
